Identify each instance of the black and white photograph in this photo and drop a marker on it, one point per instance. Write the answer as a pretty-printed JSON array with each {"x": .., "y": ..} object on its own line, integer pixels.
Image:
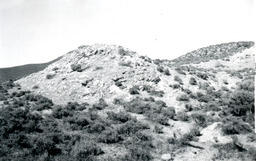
[{"x": 127, "y": 80}]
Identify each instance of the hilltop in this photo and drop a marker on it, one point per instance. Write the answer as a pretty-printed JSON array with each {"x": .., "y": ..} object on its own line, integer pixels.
[{"x": 107, "y": 102}]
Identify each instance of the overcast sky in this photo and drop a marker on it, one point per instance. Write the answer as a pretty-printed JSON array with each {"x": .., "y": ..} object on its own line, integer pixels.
[{"x": 35, "y": 31}]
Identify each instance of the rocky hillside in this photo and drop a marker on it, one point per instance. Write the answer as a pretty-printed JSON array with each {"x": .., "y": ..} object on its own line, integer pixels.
[{"x": 124, "y": 106}]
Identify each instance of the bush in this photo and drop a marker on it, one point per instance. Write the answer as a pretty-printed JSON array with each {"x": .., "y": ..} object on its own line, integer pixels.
[
  {"x": 241, "y": 103},
  {"x": 35, "y": 87},
  {"x": 178, "y": 79},
  {"x": 140, "y": 148},
  {"x": 247, "y": 85},
  {"x": 156, "y": 93},
  {"x": 78, "y": 122},
  {"x": 180, "y": 71},
  {"x": 203, "y": 76},
  {"x": 182, "y": 97},
  {"x": 137, "y": 105},
  {"x": 167, "y": 72},
  {"x": 158, "y": 129},
  {"x": 235, "y": 127},
  {"x": 76, "y": 67},
  {"x": 156, "y": 80},
  {"x": 120, "y": 117},
  {"x": 85, "y": 149},
  {"x": 131, "y": 127},
  {"x": 96, "y": 127},
  {"x": 126, "y": 64},
  {"x": 203, "y": 98},
  {"x": 50, "y": 76},
  {"x": 61, "y": 112},
  {"x": 182, "y": 116},
  {"x": 176, "y": 86},
  {"x": 160, "y": 69},
  {"x": 109, "y": 136},
  {"x": 100, "y": 105},
  {"x": 200, "y": 119},
  {"x": 190, "y": 136},
  {"x": 134, "y": 90},
  {"x": 188, "y": 107},
  {"x": 192, "y": 81},
  {"x": 187, "y": 91}
]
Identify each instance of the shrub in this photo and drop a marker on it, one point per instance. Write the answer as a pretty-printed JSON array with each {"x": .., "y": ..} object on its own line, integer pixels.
[
  {"x": 138, "y": 153},
  {"x": 76, "y": 67},
  {"x": 235, "y": 127},
  {"x": 182, "y": 97},
  {"x": 100, "y": 105},
  {"x": 203, "y": 76},
  {"x": 137, "y": 105},
  {"x": 160, "y": 69},
  {"x": 140, "y": 148},
  {"x": 190, "y": 136},
  {"x": 60, "y": 112},
  {"x": 109, "y": 136},
  {"x": 134, "y": 90},
  {"x": 192, "y": 81},
  {"x": 146, "y": 88},
  {"x": 182, "y": 116},
  {"x": 131, "y": 127},
  {"x": 187, "y": 91},
  {"x": 200, "y": 119},
  {"x": 247, "y": 85},
  {"x": 96, "y": 127},
  {"x": 167, "y": 72},
  {"x": 158, "y": 129},
  {"x": 176, "y": 86},
  {"x": 35, "y": 87},
  {"x": 241, "y": 103},
  {"x": 50, "y": 76},
  {"x": 78, "y": 122},
  {"x": 120, "y": 117},
  {"x": 158, "y": 117},
  {"x": 84, "y": 149},
  {"x": 156, "y": 80},
  {"x": 156, "y": 93},
  {"x": 211, "y": 106},
  {"x": 180, "y": 71},
  {"x": 203, "y": 98},
  {"x": 188, "y": 107},
  {"x": 55, "y": 69},
  {"x": 127, "y": 63},
  {"x": 178, "y": 79}
]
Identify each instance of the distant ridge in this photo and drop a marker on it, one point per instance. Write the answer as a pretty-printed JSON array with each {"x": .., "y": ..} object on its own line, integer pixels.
[
  {"x": 211, "y": 52},
  {"x": 18, "y": 72}
]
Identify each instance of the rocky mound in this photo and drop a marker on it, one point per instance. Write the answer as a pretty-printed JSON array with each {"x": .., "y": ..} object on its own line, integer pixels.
[{"x": 136, "y": 108}]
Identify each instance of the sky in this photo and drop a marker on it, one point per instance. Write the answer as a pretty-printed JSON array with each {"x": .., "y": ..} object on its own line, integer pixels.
[{"x": 36, "y": 31}]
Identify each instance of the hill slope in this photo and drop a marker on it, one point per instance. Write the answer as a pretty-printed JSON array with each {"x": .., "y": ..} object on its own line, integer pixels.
[
  {"x": 124, "y": 106},
  {"x": 18, "y": 72}
]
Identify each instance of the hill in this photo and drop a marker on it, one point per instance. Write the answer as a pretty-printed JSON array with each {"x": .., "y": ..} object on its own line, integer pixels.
[
  {"x": 18, "y": 72},
  {"x": 106, "y": 102}
]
